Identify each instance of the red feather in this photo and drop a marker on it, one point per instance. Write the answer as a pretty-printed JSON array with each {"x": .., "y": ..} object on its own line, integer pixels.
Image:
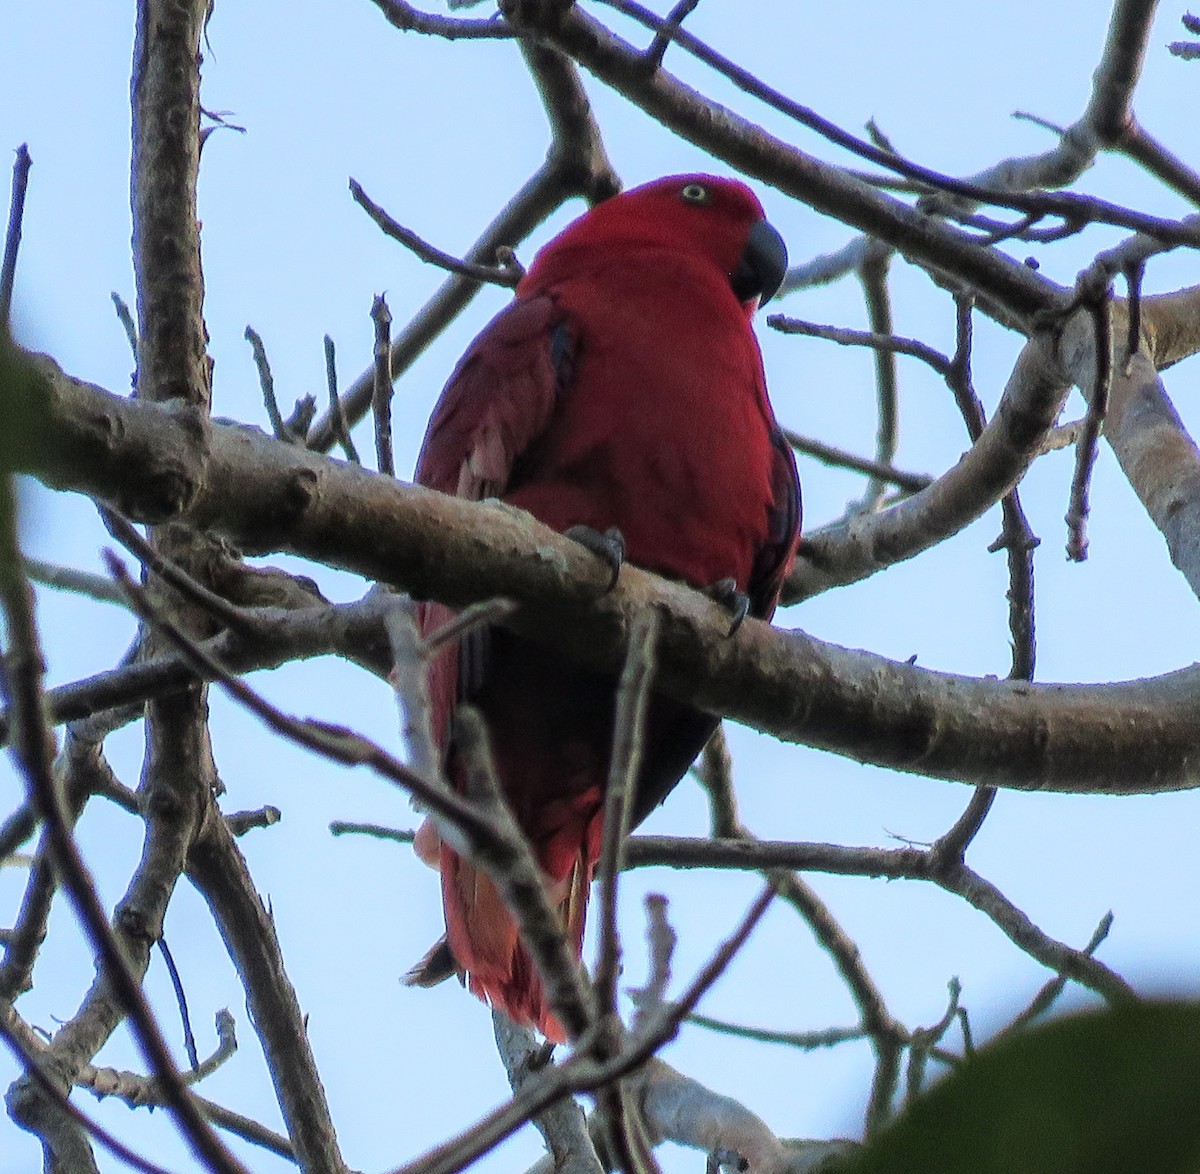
[{"x": 622, "y": 387}]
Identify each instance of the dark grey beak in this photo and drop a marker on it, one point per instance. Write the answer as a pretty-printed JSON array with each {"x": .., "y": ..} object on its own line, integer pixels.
[{"x": 763, "y": 265}]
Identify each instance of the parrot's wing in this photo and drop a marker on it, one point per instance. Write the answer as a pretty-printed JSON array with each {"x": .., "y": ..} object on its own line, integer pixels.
[
  {"x": 774, "y": 560},
  {"x": 498, "y": 401}
]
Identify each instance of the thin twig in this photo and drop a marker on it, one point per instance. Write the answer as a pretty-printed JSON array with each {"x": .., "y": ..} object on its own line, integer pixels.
[
  {"x": 511, "y": 866},
  {"x": 953, "y": 844},
  {"x": 506, "y": 275},
  {"x": 829, "y": 454},
  {"x": 563, "y": 1125},
  {"x": 1134, "y": 272},
  {"x": 189, "y": 1038},
  {"x": 28, "y": 933},
  {"x": 807, "y": 1041},
  {"x": 872, "y": 276},
  {"x": 12, "y": 237},
  {"x": 890, "y": 863},
  {"x": 1062, "y": 436},
  {"x": 137, "y": 1090},
  {"x": 345, "y": 827},
  {"x": 486, "y": 611},
  {"x": 240, "y": 822},
  {"x": 1048, "y": 995},
  {"x": 337, "y": 418},
  {"x": 247, "y": 927},
  {"x": 301, "y": 418},
  {"x": 885, "y": 1033},
  {"x": 409, "y": 19},
  {"x": 844, "y": 336},
  {"x": 231, "y": 616},
  {"x": 627, "y": 1144},
  {"x": 661, "y": 940},
  {"x": 1145, "y": 150},
  {"x": 95, "y": 587},
  {"x": 247, "y": 1129},
  {"x": 662, "y": 39},
  {"x": 923, "y": 1041},
  {"x": 958, "y": 373},
  {"x": 381, "y": 401},
  {"x": 1019, "y": 543},
  {"x": 267, "y": 382},
  {"x": 660, "y": 1028},
  {"x": 1087, "y": 449},
  {"x": 880, "y": 137},
  {"x": 633, "y": 696},
  {"x": 1038, "y": 120},
  {"x": 125, "y": 317},
  {"x": 409, "y": 677}
]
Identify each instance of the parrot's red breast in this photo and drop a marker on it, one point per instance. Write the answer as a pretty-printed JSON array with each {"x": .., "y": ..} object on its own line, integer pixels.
[{"x": 623, "y": 387}]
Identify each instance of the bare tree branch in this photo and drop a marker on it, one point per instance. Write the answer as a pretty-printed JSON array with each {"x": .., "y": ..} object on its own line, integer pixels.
[
  {"x": 793, "y": 686},
  {"x": 1154, "y": 450},
  {"x": 893, "y": 863},
  {"x": 562, "y": 1125},
  {"x": 219, "y": 871},
  {"x": 32, "y": 744},
  {"x": 633, "y": 695},
  {"x": 503, "y": 275},
  {"x": 853, "y": 550},
  {"x": 829, "y": 454}
]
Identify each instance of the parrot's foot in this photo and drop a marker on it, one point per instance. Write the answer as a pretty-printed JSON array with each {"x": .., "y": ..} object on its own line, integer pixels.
[
  {"x": 609, "y": 546},
  {"x": 725, "y": 592}
]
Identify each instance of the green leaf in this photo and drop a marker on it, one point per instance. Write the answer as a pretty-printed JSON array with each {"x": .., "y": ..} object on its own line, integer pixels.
[{"x": 1107, "y": 1092}]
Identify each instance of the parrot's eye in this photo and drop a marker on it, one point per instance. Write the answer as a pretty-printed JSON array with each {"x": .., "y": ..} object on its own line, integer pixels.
[{"x": 694, "y": 193}]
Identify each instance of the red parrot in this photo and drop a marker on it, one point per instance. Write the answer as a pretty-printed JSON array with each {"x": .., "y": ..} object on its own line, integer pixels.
[{"x": 620, "y": 397}]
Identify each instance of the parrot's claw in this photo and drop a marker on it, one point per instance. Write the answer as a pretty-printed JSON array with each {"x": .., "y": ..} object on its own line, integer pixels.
[
  {"x": 609, "y": 546},
  {"x": 737, "y": 603}
]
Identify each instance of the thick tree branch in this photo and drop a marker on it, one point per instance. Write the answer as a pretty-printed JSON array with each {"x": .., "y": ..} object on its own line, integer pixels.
[
  {"x": 165, "y": 91},
  {"x": 749, "y": 149},
  {"x": 1072, "y": 208},
  {"x": 265, "y": 495},
  {"x": 1171, "y": 325},
  {"x": 1159, "y": 457},
  {"x": 353, "y": 631}
]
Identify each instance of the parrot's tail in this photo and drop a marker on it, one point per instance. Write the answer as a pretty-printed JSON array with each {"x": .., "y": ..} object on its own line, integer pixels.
[{"x": 482, "y": 944}]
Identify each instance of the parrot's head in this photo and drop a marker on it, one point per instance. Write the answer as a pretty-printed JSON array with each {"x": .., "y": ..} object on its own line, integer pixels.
[{"x": 719, "y": 220}]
